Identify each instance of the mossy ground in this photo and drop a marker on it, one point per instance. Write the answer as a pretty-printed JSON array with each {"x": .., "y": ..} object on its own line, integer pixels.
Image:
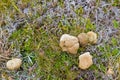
[{"x": 36, "y": 40}]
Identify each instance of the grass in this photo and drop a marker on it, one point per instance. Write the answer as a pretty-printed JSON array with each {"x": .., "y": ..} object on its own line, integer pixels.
[{"x": 38, "y": 45}]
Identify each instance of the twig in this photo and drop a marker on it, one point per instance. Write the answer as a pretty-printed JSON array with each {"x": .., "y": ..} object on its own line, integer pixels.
[{"x": 4, "y": 57}]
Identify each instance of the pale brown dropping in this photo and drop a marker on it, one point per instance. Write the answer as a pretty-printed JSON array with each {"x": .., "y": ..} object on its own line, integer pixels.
[
  {"x": 69, "y": 43},
  {"x": 85, "y": 60},
  {"x": 14, "y": 64},
  {"x": 83, "y": 39},
  {"x": 110, "y": 71},
  {"x": 92, "y": 37}
]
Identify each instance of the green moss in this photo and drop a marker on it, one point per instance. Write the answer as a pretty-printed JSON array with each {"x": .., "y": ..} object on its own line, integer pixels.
[
  {"x": 116, "y": 3},
  {"x": 79, "y": 11},
  {"x": 89, "y": 26},
  {"x": 116, "y": 24},
  {"x": 24, "y": 39}
]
